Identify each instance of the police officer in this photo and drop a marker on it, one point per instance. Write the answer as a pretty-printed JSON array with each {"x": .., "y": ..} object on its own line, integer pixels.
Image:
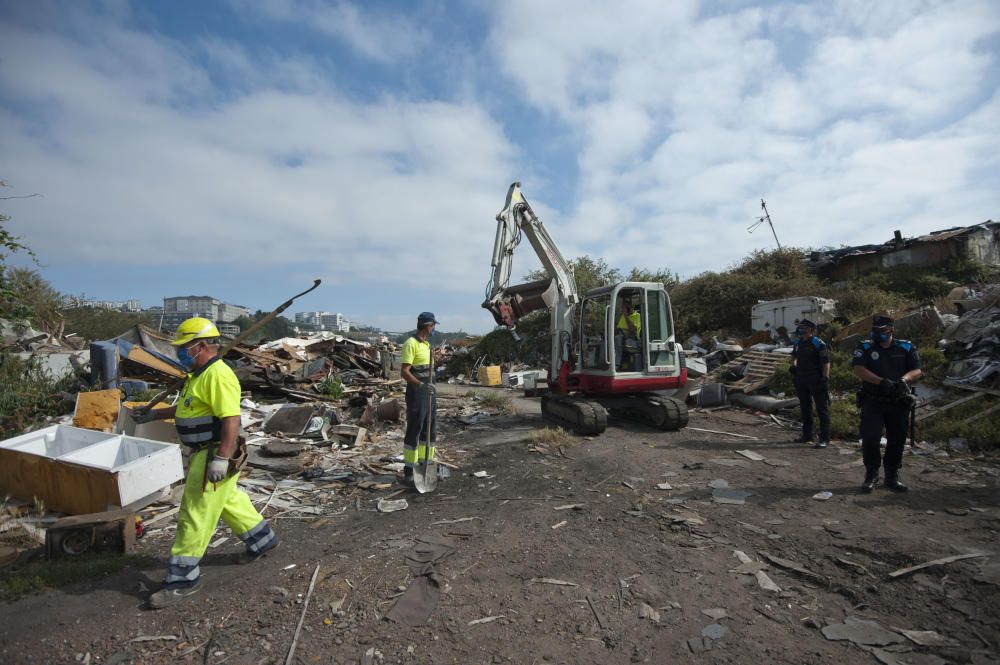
[
  {"x": 421, "y": 402},
  {"x": 886, "y": 366},
  {"x": 811, "y": 371}
]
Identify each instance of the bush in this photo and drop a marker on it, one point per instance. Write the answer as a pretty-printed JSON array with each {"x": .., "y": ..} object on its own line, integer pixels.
[
  {"x": 331, "y": 386},
  {"x": 845, "y": 419},
  {"x": 860, "y": 300},
  {"x": 713, "y": 300},
  {"x": 29, "y": 395}
]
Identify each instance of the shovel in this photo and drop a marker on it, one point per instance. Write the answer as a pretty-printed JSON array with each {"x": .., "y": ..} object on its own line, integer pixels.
[{"x": 425, "y": 475}]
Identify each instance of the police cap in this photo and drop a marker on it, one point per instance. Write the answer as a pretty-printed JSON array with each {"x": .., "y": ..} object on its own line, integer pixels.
[
  {"x": 881, "y": 321},
  {"x": 806, "y": 323}
]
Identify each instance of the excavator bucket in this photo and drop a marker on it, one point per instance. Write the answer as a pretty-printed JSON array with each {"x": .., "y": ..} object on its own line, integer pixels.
[{"x": 516, "y": 301}]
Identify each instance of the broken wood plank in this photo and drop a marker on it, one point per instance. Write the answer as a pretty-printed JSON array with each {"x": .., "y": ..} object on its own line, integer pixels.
[
  {"x": 936, "y": 410},
  {"x": 937, "y": 562},
  {"x": 714, "y": 431}
]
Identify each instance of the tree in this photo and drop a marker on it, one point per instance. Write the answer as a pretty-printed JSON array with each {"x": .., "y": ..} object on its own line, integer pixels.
[
  {"x": 10, "y": 306},
  {"x": 276, "y": 328},
  {"x": 30, "y": 294}
]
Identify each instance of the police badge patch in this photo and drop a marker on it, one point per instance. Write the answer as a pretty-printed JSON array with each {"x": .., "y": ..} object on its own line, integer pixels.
[
  {"x": 874, "y": 355},
  {"x": 858, "y": 353}
]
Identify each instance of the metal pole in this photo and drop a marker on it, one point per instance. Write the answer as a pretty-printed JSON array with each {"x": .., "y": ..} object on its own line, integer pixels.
[{"x": 767, "y": 216}]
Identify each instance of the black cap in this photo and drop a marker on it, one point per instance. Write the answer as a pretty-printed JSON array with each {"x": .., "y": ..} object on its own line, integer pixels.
[
  {"x": 425, "y": 318},
  {"x": 881, "y": 321},
  {"x": 806, "y": 323}
]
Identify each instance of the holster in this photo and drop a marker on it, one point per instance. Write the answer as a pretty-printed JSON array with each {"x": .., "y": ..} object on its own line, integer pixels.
[
  {"x": 237, "y": 462},
  {"x": 240, "y": 457}
]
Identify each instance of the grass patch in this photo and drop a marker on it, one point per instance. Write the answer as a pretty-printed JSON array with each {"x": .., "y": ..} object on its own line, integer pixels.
[
  {"x": 494, "y": 401},
  {"x": 978, "y": 434},
  {"x": 551, "y": 436},
  {"x": 845, "y": 419},
  {"x": 33, "y": 577}
]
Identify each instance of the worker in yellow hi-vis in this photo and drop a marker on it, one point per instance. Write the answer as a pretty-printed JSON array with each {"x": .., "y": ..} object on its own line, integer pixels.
[
  {"x": 628, "y": 332},
  {"x": 208, "y": 422},
  {"x": 415, "y": 368}
]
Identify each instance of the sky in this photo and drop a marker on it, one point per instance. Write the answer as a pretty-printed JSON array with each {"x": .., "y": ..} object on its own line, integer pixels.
[{"x": 242, "y": 148}]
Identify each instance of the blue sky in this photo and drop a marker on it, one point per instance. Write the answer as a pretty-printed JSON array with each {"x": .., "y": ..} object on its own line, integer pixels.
[{"x": 242, "y": 148}]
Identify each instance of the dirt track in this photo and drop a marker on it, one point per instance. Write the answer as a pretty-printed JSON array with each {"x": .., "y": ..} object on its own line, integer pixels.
[{"x": 629, "y": 543}]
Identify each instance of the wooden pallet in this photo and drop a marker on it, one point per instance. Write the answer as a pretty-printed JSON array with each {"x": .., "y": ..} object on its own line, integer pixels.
[{"x": 761, "y": 368}]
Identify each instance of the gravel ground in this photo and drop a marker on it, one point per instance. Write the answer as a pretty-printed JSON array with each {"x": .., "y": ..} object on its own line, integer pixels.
[{"x": 651, "y": 574}]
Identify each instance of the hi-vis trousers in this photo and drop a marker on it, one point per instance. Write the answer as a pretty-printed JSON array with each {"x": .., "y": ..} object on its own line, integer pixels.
[
  {"x": 199, "y": 514},
  {"x": 415, "y": 440}
]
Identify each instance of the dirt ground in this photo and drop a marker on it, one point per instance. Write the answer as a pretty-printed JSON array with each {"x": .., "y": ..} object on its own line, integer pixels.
[{"x": 626, "y": 544}]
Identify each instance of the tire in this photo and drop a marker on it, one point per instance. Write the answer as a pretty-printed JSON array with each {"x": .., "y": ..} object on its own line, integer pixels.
[{"x": 712, "y": 394}]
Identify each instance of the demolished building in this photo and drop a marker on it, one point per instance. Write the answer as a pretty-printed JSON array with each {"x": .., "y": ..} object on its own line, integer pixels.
[{"x": 979, "y": 242}]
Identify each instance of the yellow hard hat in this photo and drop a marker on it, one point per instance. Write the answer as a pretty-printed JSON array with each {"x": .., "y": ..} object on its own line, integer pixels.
[{"x": 194, "y": 328}]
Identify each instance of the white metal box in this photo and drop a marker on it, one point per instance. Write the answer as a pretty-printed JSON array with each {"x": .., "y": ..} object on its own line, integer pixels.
[{"x": 78, "y": 471}]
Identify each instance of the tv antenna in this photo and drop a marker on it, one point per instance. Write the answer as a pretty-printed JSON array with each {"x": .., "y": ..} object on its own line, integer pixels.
[{"x": 766, "y": 217}]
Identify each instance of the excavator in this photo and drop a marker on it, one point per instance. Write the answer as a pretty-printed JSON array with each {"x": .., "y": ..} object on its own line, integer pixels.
[{"x": 612, "y": 349}]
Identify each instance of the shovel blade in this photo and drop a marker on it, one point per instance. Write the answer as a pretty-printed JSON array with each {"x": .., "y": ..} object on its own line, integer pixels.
[{"x": 425, "y": 477}]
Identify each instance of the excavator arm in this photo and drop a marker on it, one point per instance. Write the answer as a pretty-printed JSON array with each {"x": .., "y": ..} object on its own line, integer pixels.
[
  {"x": 557, "y": 293},
  {"x": 509, "y": 303}
]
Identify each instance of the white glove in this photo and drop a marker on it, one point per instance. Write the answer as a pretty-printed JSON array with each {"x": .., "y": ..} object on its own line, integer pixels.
[{"x": 218, "y": 469}]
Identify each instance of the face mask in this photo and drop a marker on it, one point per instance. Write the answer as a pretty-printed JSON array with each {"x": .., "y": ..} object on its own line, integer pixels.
[
  {"x": 185, "y": 358},
  {"x": 880, "y": 336}
]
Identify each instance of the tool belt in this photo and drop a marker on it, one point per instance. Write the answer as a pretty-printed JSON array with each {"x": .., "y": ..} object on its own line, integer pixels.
[
  {"x": 238, "y": 461},
  {"x": 240, "y": 458}
]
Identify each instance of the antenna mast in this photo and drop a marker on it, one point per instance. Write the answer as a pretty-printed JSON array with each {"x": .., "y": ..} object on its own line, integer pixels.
[{"x": 766, "y": 217}]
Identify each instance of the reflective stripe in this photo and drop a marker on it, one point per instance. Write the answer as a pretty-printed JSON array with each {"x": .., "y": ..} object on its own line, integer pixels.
[
  {"x": 182, "y": 570},
  {"x": 260, "y": 538},
  {"x": 198, "y": 430}
]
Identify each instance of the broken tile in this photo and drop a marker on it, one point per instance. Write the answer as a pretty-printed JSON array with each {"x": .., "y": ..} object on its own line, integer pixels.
[
  {"x": 861, "y": 631},
  {"x": 730, "y": 496},
  {"x": 714, "y": 631},
  {"x": 751, "y": 455},
  {"x": 716, "y": 613}
]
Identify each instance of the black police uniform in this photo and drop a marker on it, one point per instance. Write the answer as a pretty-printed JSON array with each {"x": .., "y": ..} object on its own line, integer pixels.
[
  {"x": 881, "y": 409},
  {"x": 811, "y": 386}
]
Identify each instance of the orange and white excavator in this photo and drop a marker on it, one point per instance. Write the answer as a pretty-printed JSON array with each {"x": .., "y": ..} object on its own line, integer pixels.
[{"x": 612, "y": 350}]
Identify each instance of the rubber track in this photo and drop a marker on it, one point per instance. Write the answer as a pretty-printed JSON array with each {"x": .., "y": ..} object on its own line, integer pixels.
[
  {"x": 664, "y": 412},
  {"x": 582, "y": 416}
]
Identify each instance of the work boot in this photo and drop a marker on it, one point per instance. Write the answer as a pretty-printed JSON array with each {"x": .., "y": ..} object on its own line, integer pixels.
[
  {"x": 823, "y": 442},
  {"x": 407, "y": 480},
  {"x": 892, "y": 482},
  {"x": 871, "y": 478},
  {"x": 804, "y": 438},
  {"x": 167, "y": 597}
]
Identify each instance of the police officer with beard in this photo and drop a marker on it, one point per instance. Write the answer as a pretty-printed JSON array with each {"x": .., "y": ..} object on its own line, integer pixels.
[
  {"x": 811, "y": 369},
  {"x": 886, "y": 366}
]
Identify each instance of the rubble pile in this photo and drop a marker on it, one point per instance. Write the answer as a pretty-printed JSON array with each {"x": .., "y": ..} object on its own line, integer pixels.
[{"x": 972, "y": 342}]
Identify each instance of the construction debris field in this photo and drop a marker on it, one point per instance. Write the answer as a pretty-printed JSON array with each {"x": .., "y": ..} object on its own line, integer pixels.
[{"x": 711, "y": 544}]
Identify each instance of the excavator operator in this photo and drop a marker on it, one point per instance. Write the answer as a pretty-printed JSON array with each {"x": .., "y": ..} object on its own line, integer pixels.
[{"x": 627, "y": 333}]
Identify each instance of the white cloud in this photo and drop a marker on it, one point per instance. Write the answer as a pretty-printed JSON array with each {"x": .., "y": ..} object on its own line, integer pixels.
[
  {"x": 382, "y": 36},
  {"x": 131, "y": 149},
  {"x": 851, "y": 118}
]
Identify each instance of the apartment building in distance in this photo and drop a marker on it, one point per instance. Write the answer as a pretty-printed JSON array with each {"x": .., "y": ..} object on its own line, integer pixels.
[
  {"x": 178, "y": 308},
  {"x": 334, "y": 322}
]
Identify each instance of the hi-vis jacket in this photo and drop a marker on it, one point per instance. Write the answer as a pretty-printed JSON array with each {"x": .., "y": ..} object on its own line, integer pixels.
[
  {"x": 211, "y": 393},
  {"x": 417, "y": 354}
]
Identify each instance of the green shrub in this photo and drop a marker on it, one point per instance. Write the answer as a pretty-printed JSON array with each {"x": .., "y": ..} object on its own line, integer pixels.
[
  {"x": 29, "y": 394},
  {"x": 844, "y": 419},
  {"x": 978, "y": 434},
  {"x": 934, "y": 364},
  {"x": 331, "y": 386}
]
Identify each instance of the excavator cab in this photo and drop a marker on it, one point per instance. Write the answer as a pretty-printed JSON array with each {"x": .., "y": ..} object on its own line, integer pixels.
[{"x": 626, "y": 340}]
